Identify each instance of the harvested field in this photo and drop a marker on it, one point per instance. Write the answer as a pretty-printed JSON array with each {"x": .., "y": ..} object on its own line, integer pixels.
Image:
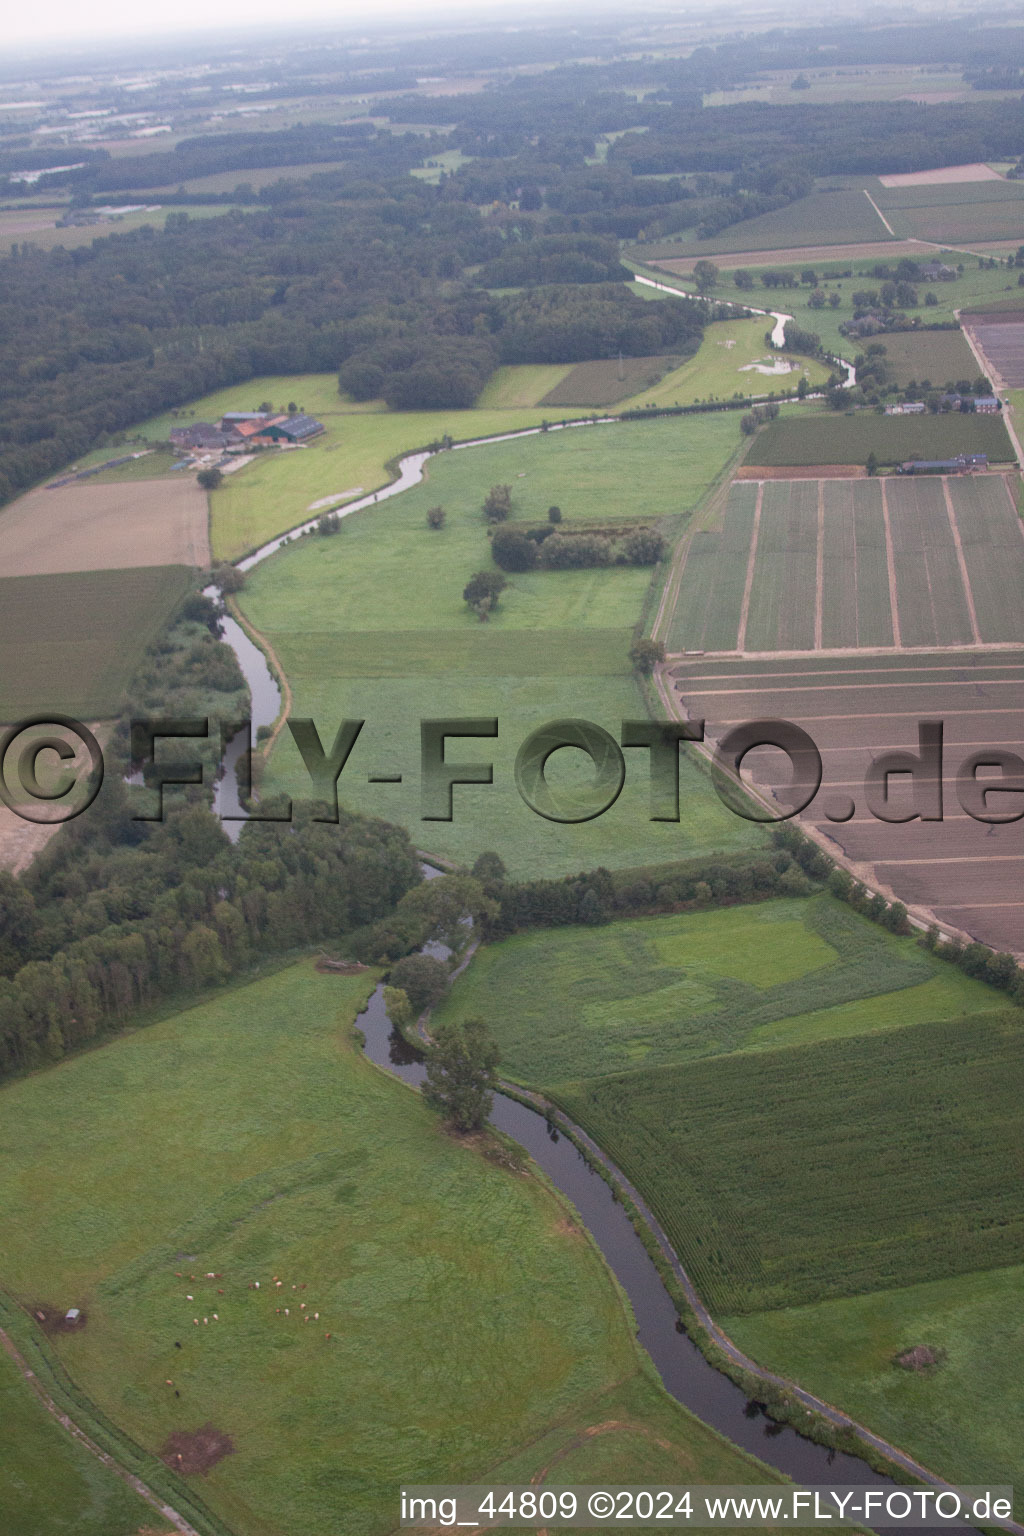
[
  {"x": 792, "y": 256},
  {"x": 71, "y": 643},
  {"x": 840, "y": 439},
  {"x": 969, "y": 874},
  {"x": 1000, "y": 339},
  {"x": 89, "y": 527},
  {"x": 943, "y": 175},
  {"x": 804, "y": 564},
  {"x": 609, "y": 381},
  {"x": 801, "y": 472}
]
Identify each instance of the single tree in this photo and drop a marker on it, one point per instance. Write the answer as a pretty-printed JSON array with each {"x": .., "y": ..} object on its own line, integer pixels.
[
  {"x": 554, "y": 514},
  {"x": 398, "y": 1008},
  {"x": 462, "y": 1074},
  {"x": 705, "y": 275},
  {"x": 498, "y": 503},
  {"x": 646, "y": 654},
  {"x": 435, "y": 517},
  {"x": 489, "y": 866},
  {"x": 210, "y": 478},
  {"x": 482, "y": 591},
  {"x": 422, "y": 978},
  {"x": 872, "y": 464}
]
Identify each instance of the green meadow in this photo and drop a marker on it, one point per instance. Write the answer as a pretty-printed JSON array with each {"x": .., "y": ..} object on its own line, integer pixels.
[
  {"x": 965, "y": 1415},
  {"x": 51, "y": 1485},
  {"x": 580, "y": 1003},
  {"x": 371, "y": 624},
  {"x": 466, "y": 1323},
  {"x": 723, "y": 367}
]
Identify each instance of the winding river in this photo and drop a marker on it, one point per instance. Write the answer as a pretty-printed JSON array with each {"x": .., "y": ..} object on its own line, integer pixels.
[{"x": 709, "y": 1394}]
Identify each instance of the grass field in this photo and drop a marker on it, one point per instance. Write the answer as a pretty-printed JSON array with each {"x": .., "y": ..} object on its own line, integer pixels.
[
  {"x": 51, "y": 1485},
  {"x": 966, "y": 1417},
  {"x": 471, "y": 1323},
  {"x": 938, "y": 357},
  {"x": 830, "y": 438},
  {"x": 72, "y": 642},
  {"x": 832, "y": 1169},
  {"x": 821, "y": 218},
  {"x": 556, "y": 646},
  {"x": 581, "y": 1003},
  {"x": 725, "y": 366},
  {"x": 521, "y": 384}
]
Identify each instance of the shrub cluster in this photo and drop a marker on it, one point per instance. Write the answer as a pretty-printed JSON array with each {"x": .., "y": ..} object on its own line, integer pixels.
[{"x": 552, "y": 549}]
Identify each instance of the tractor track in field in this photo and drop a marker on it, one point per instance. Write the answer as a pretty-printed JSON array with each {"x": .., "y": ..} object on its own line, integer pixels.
[{"x": 136, "y": 1484}]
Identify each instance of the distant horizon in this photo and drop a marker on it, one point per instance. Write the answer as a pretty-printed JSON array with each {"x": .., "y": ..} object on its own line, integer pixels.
[{"x": 69, "y": 28}]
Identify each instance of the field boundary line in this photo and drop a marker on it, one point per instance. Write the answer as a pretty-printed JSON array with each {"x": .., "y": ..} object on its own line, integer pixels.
[
  {"x": 135, "y": 1483},
  {"x": 878, "y": 210},
  {"x": 741, "y": 638},
  {"x": 891, "y": 564},
  {"x": 955, "y": 530},
  {"x": 819, "y": 581},
  {"x": 1013, "y": 505}
]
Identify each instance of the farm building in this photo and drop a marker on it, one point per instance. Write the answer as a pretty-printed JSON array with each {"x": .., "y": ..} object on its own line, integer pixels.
[
  {"x": 292, "y": 429},
  {"x": 906, "y": 408},
  {"x": 937, "y": 271},
  {"x": 199, "y": 434},
  {"x": 958, "y": 466},
  {"x": 986, "y": 405},
  {"x": 262, "y": 427}
]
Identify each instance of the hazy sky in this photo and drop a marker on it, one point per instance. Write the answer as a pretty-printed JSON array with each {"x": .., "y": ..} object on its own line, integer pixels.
[{"x": 61, "y": 21}]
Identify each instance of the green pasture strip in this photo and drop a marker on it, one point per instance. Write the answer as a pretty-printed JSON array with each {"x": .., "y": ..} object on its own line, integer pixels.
[
  {"x": 964, "y": 1417},
  {"x": 51, "y": 1485},
  {"x": 578, "y": 1004}
]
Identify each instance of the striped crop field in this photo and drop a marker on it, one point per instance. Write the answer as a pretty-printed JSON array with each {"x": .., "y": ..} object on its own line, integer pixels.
[
  {"x": 782, "y": 597},
  {"x": 933, "y": 607},
  {"x": 855, "y": 605},
  {"x": 828, "y": 565},
  {"x": 710, "y": 603}
]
